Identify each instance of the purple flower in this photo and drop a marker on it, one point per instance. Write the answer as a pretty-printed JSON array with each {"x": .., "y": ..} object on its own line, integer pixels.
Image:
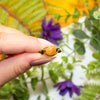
[
  {"x": 51, "y": 32},
  {"x": 67, "y": 86}
]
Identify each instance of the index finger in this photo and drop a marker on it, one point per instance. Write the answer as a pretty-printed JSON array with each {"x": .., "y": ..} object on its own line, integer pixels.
[{"x": 15, "y": 43}]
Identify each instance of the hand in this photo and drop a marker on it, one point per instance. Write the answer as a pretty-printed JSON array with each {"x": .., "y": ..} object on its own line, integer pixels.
[{"x": 24, "y": 51}]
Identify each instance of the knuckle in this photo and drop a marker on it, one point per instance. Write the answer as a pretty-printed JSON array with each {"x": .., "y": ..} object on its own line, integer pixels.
[{"x": 21, "y": 67}]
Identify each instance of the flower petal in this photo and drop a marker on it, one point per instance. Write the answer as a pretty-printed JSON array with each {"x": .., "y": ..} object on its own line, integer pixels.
[
  {"x": 50, "y": 22},
  {"x": 43, "y": 34},
  {"x": 54, "y": 41},
  {"x": 63, "y": 86},
  {"x": 44, "y": 24},
  {"x": 76, "y": 89},
  {"x": 70, "y": 92},
  {"x": 58, "y": 84},
  {"x": 69, "y": 84},
  {"x": 56, "y": 34},
  {"x": 55, "y": 27},
  {"x": 63, "y": 92}
]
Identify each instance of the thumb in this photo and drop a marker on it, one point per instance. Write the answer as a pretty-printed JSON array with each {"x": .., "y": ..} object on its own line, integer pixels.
[{"x": 11, "y": 67}]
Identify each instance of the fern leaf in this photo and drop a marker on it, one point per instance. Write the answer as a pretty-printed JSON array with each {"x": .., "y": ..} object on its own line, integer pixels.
[{"x": 90, "y": 92}]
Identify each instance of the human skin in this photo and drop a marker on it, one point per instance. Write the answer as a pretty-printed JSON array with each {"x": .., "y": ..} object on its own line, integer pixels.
[{"x": 23, "y": 51}]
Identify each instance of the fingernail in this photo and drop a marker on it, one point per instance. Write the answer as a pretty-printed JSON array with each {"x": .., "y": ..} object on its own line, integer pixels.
[
  {"x": 41, "y": 61},
  {"x": 45, "y": 42}
]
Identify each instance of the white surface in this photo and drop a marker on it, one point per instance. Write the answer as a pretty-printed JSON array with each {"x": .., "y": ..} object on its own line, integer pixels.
[{"x": 79, "y": 75}]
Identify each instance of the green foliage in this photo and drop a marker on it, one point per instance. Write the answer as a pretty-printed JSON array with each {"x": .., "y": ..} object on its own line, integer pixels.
[
  {"x": 67, "y": 17},
  {"x": 96, "y": 15},
  {"x": 53, "y": 76},
  {"x": 95, "y": 44},
  {"x": 80, "y": 34},
  {"x": 34, "y": 82},
  {"x": 57, "y": 16},
  {"x": 47, "y": 98},
  {"x": 83, "y": 67},
  {"x": 45, "y": 90},
  {"x": 24, "y": 11},
  {"x": 39, "y": 97},
  {"x": 70, "y": 66},
  {"x": 88, "y": 24},
  {"x": 76, "y": 14},
  {"x": 76, "y": 61},
  {"x": 14, "y": 89},
  {"x": 96, "y": 56},
  {"x": 89, "y": 92},
  {"x": 79, "y": 47},
  {"x": 65, "y": 59},
  {"x": 91, "y": 66}
]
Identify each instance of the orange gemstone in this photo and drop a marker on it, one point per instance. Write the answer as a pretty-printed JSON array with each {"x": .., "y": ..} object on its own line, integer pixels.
[{"x": 51, "y": 50}]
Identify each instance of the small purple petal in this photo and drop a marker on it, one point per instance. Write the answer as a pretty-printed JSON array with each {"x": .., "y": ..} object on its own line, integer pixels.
[
  {"x": 43, "y": 34},
  {"x": 43, "y": 24},
  {"x": 50, "y": 22},
  {"x": 76, "y": 89},
  {"x": 55, "y": 27},
  {"x": 58, "y": 84},
  {"x": 69, "y": 84},
  {"x": 70, "y": 92},
  {"x": 62, "y": 87},
  {"x": 54, "y": 41},
  {"x": 63, "y": 92},
  {"x": 56, "y": 35}
]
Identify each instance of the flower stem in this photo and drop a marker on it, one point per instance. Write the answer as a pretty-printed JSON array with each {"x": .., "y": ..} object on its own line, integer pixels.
[{"x": 42, "y": 71}]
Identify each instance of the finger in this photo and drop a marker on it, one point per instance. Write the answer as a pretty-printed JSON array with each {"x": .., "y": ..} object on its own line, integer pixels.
[
  {"x": 9, "y": 30},
  {"x": 15, "y": 43},
  {"x": 16, "y": 65}
]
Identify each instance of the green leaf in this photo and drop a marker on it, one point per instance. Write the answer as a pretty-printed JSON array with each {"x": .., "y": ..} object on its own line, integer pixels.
[
  {"x": 75, "y": 61},
  {"x": 34, "y": 82},
  {"x": 92, "y": 66},
  {"x": 22, "y": 80},
  {"x": 18, "y": 91},
  {"x": 5, "y": 92},
  {"x": 65, "y": 59},
  {"x": 80, "y": 34},
  {"x": 25, "y": 95},
  {"x": 96, "y": 56},
  {"x": 76, "y": 14},
  {"x": 53, "y": 76},
  {"x": 29, "y": 73},
  {"x": 87, "y": 75},
  {"x": 58, "y": 16},
  {"x": 96, "y": 7},
  {"x": 79, "y": 47},
  {"x": 67, "y": 17},
  {"x": 47, "y": 98},
  {"x": 67, "y": 12},
  {"x": 88, "y": 24},
  {"x": 96, "y": 15},
  {"x": 84, "y": 12},
  {"x": 83, "y": 67},
  {"x": 44, "y": 87},
  {"x": 70, "y": 66},
  {"x": 95, "y": 43},
  {"x": 39, "y": 97}
]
